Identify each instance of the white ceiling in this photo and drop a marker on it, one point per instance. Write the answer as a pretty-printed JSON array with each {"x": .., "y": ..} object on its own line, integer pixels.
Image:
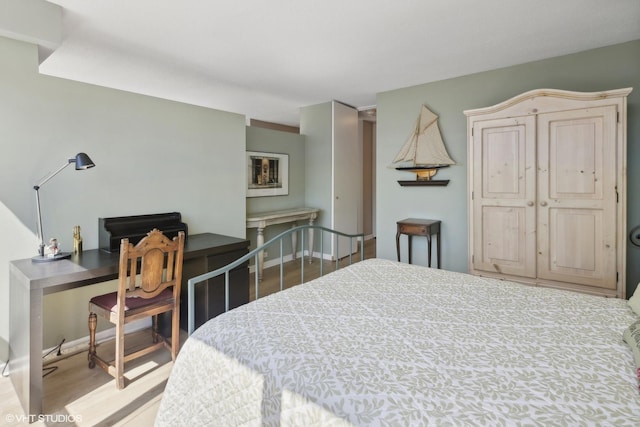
[{"x": 266, "y": 59}]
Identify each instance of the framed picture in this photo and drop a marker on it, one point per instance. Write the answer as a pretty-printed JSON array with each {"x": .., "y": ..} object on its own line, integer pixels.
[{"x": 267, "y": 174}]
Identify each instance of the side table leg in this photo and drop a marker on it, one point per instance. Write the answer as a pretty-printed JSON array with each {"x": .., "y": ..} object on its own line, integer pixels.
[
  {"x": 429, "y": 249},
  {"x": 438, "y": 249},
  {"x": 294, "y": 243},
  {"x": 260, "y": 242},
  {"x": 311, "y": 240},
  {"x": 398, "y": 245},
  {"x": 409, "y": 236}
]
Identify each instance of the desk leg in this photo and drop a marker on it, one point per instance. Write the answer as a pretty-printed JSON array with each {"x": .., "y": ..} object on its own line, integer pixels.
[
  {"x": 294, "y": 243},
  {"x": 310, "y": 241},
  {"x": 25, "y": 344},
  {"x": 260, "y": 242},
  {"x": 438, "y": 249},
  {"x": 409, "y": 236},
  {"x": 429, "y": 249},
  {"x": 398, "y": 245}
]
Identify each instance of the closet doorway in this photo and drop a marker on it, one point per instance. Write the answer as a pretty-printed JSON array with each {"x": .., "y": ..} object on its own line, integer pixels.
[{"x": 367, "y": 127}]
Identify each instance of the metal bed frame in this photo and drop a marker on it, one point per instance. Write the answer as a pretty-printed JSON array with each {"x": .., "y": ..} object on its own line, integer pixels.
[{"x": 191, "y": 283}]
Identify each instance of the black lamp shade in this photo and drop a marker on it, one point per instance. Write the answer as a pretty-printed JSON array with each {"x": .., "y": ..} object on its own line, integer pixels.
[{"x": 82, "y": 161}]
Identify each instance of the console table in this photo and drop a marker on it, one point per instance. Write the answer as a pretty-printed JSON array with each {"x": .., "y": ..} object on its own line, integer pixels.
[
  {"x": 419, "y": 227},
  {"x": 265, "y": 219},
  {"x": 29, "y": 282}
]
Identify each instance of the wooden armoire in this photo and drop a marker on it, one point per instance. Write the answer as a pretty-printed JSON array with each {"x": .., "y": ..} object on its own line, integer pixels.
[{"x": 547, "y": 190}]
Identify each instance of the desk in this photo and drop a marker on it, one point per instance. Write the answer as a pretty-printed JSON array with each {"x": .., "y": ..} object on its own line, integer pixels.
[
  {"x": 29, "y": 282},
  {"x": 419, "y": 227},
  {"x": 263, "y": 220}
]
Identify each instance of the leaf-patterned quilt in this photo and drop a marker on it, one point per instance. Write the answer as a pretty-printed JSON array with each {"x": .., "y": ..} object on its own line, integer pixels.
[{"x": 385, "y": 343}]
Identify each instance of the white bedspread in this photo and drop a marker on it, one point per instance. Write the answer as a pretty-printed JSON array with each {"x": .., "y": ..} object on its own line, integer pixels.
[{"x": 384, "y": 343}]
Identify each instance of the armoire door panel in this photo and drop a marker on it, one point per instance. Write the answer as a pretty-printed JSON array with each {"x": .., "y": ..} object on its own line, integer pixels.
[
  {"x": 578, "y": 146},
  {"x": 578, "y": 155},
  {"x": 578, "y": 251},
  {"x": 502, "y": 241},
  {"x": 502, "y": 163},
  {"x": 574, "y": 237},
  {"x": 502, "y": 147},
  {"x": 504, "y": 196}
]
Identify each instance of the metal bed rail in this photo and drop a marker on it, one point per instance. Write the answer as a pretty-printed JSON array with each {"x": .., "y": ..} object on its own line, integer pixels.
[{"x": 192, "y": 282}]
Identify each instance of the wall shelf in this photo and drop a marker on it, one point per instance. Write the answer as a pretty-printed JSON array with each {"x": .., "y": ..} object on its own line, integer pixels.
[{"x": 415, "y": 183}]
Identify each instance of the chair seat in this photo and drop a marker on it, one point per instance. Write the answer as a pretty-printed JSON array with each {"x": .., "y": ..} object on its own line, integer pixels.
[{"x": 108, "y": 301}]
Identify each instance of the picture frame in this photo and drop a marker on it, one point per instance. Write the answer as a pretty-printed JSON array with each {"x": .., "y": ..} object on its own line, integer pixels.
[{"x": 267, "y": 174}]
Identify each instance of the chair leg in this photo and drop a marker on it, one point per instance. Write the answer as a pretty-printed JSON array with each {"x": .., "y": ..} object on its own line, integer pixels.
[
  {"x": 154, "y": 329},
  {"x": 119, "y": 362},
  {"x": 175, "y": 334},
  {"x": 93, "y": 322}
]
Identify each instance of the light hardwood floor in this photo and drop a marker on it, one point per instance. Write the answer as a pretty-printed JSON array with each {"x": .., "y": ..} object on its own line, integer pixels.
[{"x": 75, "y": 395}]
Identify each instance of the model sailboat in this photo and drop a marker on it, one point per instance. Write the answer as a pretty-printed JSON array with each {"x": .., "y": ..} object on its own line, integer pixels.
[{"x": 424, "y": 152}]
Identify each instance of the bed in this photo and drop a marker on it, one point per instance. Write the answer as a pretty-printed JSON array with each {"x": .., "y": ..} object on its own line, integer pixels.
[{"x": 385, "y": 343}]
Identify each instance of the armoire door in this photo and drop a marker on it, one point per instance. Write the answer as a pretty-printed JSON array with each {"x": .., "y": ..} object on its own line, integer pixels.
[
  {"x": 577, "y": 196},
  {"x": 503, "y": 198}
]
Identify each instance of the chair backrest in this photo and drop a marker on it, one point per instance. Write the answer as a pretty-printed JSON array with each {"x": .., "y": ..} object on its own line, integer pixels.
[{"x": 148, "y": 259}]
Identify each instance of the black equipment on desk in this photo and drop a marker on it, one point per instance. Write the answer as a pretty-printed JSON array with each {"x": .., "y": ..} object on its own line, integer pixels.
[{"x": 135, "y": 227}]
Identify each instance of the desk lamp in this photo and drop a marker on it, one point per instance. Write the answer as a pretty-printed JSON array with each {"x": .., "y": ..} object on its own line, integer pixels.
[{"x": 82, "y": 162}]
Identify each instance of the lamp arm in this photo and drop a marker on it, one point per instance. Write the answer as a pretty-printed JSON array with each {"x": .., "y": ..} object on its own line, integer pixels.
[
  {"x": 46, "y": 179},
  {"x": 37, "y": 188}
]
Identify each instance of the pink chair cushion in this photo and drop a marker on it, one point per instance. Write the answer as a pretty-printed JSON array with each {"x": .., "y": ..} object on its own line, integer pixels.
[{"x": 109, "y": 301}]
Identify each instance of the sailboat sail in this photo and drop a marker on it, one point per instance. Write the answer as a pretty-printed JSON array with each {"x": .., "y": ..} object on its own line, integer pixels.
[{"x": 425, "y": 146}]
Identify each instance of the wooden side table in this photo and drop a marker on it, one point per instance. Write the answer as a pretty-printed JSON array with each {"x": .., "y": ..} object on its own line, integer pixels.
[{"x": 419, "y": 227}]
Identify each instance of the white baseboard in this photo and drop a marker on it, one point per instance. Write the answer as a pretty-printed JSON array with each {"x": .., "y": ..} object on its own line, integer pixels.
[
  {"x": 316, "y": 255},
  {"x": 271, "y": 262},
  {"x": 82, "y": 344},
  {"x": 69, "y": 348},
  {"x": 286, "y": 258}
]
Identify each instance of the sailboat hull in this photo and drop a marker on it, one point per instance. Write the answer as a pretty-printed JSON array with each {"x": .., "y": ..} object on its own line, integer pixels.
[{"x": 423, "y": 173}]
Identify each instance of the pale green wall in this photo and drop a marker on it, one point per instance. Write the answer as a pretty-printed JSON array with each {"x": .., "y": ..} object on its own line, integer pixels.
[
  {"x": 595, "y": 70},
  {"x": 273, "y": 141},
  {"x": 152, "y": 156}
]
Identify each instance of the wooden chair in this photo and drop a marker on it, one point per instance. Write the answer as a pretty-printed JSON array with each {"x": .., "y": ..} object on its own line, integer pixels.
[{"x": 149, "y": 292}]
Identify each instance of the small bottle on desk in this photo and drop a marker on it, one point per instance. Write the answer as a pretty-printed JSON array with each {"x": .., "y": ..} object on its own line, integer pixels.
[{"x": 77, "y": 240}]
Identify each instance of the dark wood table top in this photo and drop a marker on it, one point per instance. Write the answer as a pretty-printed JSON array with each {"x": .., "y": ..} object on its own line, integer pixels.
[
  {"x": 418, "y": 221},
  {"x": 97, "y": 265}
]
